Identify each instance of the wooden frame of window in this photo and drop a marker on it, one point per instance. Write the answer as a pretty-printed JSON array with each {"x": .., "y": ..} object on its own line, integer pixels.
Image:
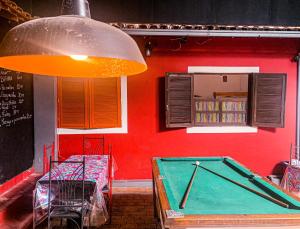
[
  {"x": 89, "y": 103},
  {"x": 267, "y": 96},
  {"x": 72, "y": 109},
  {"x": 266, "y": 102},
  {"x": 178, "y": 99},
  {"x": 107, "y": 113}
]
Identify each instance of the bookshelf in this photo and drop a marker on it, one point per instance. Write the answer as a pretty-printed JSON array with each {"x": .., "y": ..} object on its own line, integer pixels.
[{"x": 220, "y": 111}]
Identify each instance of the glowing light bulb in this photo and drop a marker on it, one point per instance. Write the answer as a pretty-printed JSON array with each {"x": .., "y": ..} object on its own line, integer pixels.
[{"x": 79, "y": 57}]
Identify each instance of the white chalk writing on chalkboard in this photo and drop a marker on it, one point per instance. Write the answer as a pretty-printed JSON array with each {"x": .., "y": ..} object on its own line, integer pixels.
[
  {"x": 12, "y": 99},
  {"x": 10, "y": 122}
]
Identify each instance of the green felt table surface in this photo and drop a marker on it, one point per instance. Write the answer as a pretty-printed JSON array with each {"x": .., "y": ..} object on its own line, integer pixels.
[{"x": 211, "y": 194}]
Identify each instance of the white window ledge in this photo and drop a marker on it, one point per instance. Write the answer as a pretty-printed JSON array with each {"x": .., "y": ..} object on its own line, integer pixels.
[
  {"x": 221, "y": 129},
  {"x": 119, "y": 130},
  {"x": 218, "y": 69}
]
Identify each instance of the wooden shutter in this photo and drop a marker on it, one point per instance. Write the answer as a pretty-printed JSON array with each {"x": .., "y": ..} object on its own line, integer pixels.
[
  {"x": 72, "y": 103},
  {"x": 178, "y": 99},
  {"x": 105, "y": 103},
  {"x": 267, "y": 95}
]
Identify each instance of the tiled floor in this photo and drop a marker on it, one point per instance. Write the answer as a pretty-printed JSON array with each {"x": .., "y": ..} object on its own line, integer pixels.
[
  {"x": 16, "y": 205},
  {"x": 132, "y": 208}
]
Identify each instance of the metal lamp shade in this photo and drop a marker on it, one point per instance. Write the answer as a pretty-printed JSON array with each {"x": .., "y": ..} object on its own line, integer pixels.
[{"x": 45, "y": 46}]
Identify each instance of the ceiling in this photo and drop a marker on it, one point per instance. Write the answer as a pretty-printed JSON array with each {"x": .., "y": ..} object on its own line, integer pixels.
[
  {"x": 222, "y": 12},
  {"x": 185, "y": 16},
  {"x": 204, "y": 12}
]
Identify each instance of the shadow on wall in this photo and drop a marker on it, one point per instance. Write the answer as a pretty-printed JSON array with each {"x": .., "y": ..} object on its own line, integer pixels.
[{"x": 268, "y": 129}]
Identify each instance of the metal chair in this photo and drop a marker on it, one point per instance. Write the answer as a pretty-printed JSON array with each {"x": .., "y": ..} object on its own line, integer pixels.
[
  {"x": 66, "y": 195},
  {"x": 96, "y": 146},
  {"x": 107, "y": 190}
]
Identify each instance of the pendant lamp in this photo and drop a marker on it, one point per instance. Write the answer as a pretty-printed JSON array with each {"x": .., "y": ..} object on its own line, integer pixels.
[{"x": 71, "y": 45}]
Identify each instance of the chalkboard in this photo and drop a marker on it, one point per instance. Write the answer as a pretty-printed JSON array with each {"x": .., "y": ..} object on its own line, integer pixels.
[{"x": 16, "y": 123}]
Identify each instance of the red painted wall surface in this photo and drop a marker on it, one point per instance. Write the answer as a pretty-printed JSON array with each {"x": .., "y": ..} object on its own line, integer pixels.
[
  {"x": 147, "y": 136},
  {"x": 14, "y": 181}
]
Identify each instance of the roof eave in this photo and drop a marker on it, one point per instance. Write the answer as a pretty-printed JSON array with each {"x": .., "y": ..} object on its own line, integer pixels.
[{"x": 212, "y": 33}]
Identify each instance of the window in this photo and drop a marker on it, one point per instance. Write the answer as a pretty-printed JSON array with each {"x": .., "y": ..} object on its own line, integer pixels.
[
  {"x": 220, "y": 99},
  {"x": 262, "y": 106},
  {"x": 89, "y": 103}
]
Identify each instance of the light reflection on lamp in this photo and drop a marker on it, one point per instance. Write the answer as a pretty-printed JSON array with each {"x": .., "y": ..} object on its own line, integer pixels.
[
  {"x": 78, "y": 57},
  {"x": 58, "y": 46}
]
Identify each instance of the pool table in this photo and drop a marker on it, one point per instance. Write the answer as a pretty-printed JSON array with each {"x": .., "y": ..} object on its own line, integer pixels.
[{"x": 216, "y": 202}]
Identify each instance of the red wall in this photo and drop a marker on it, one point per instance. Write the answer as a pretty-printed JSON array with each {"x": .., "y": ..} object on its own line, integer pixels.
[
  {"x": 14, "y": 181},
  {"x": 147, "y": 136}
]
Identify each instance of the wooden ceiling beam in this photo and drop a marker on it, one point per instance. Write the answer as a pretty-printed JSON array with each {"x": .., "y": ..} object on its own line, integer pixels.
[{"x": 11, "y": 11}]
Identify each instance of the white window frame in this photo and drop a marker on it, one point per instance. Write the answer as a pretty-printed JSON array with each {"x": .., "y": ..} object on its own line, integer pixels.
[
  {"x": 221, "y": 129},
  {"x": 117, "y": 130}
]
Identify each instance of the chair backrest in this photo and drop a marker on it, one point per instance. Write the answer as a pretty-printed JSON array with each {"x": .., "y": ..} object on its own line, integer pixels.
[
  {"x": 48, "y": 150},
  {"x": 93, "y": 145},
  {"x": 66, "y": 184}
]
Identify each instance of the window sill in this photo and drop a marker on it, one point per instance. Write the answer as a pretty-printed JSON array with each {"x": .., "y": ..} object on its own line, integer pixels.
[
  {"x": 221, "y": 130},
  {"x": 121, "y": 130}
]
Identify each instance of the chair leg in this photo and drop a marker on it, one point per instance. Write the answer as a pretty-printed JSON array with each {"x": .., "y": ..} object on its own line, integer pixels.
[
  {"x": 33, "y": 220},
  {"x": 49, "y": 223},
  {"x": 75, "y": 222},
  {"x": 110, "y": 209}
]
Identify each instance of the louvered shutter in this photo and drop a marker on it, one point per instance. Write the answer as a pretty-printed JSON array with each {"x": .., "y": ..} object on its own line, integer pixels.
[
  {"x": 267, "y": 94},
  {"x": 72, "y": 103},
  {"x": 178, "y": 99},
  {"x": 105, "y": 103}
]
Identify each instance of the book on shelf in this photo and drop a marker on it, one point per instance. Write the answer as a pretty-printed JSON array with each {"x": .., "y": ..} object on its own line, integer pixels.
[
  {"x": 233, "y": 118},
  {"x": 234, "y": 105},
  {"x": 227, "y": 111},
  {"x": 207, "y": 105},
  {"x": 207, "y": 117}
]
